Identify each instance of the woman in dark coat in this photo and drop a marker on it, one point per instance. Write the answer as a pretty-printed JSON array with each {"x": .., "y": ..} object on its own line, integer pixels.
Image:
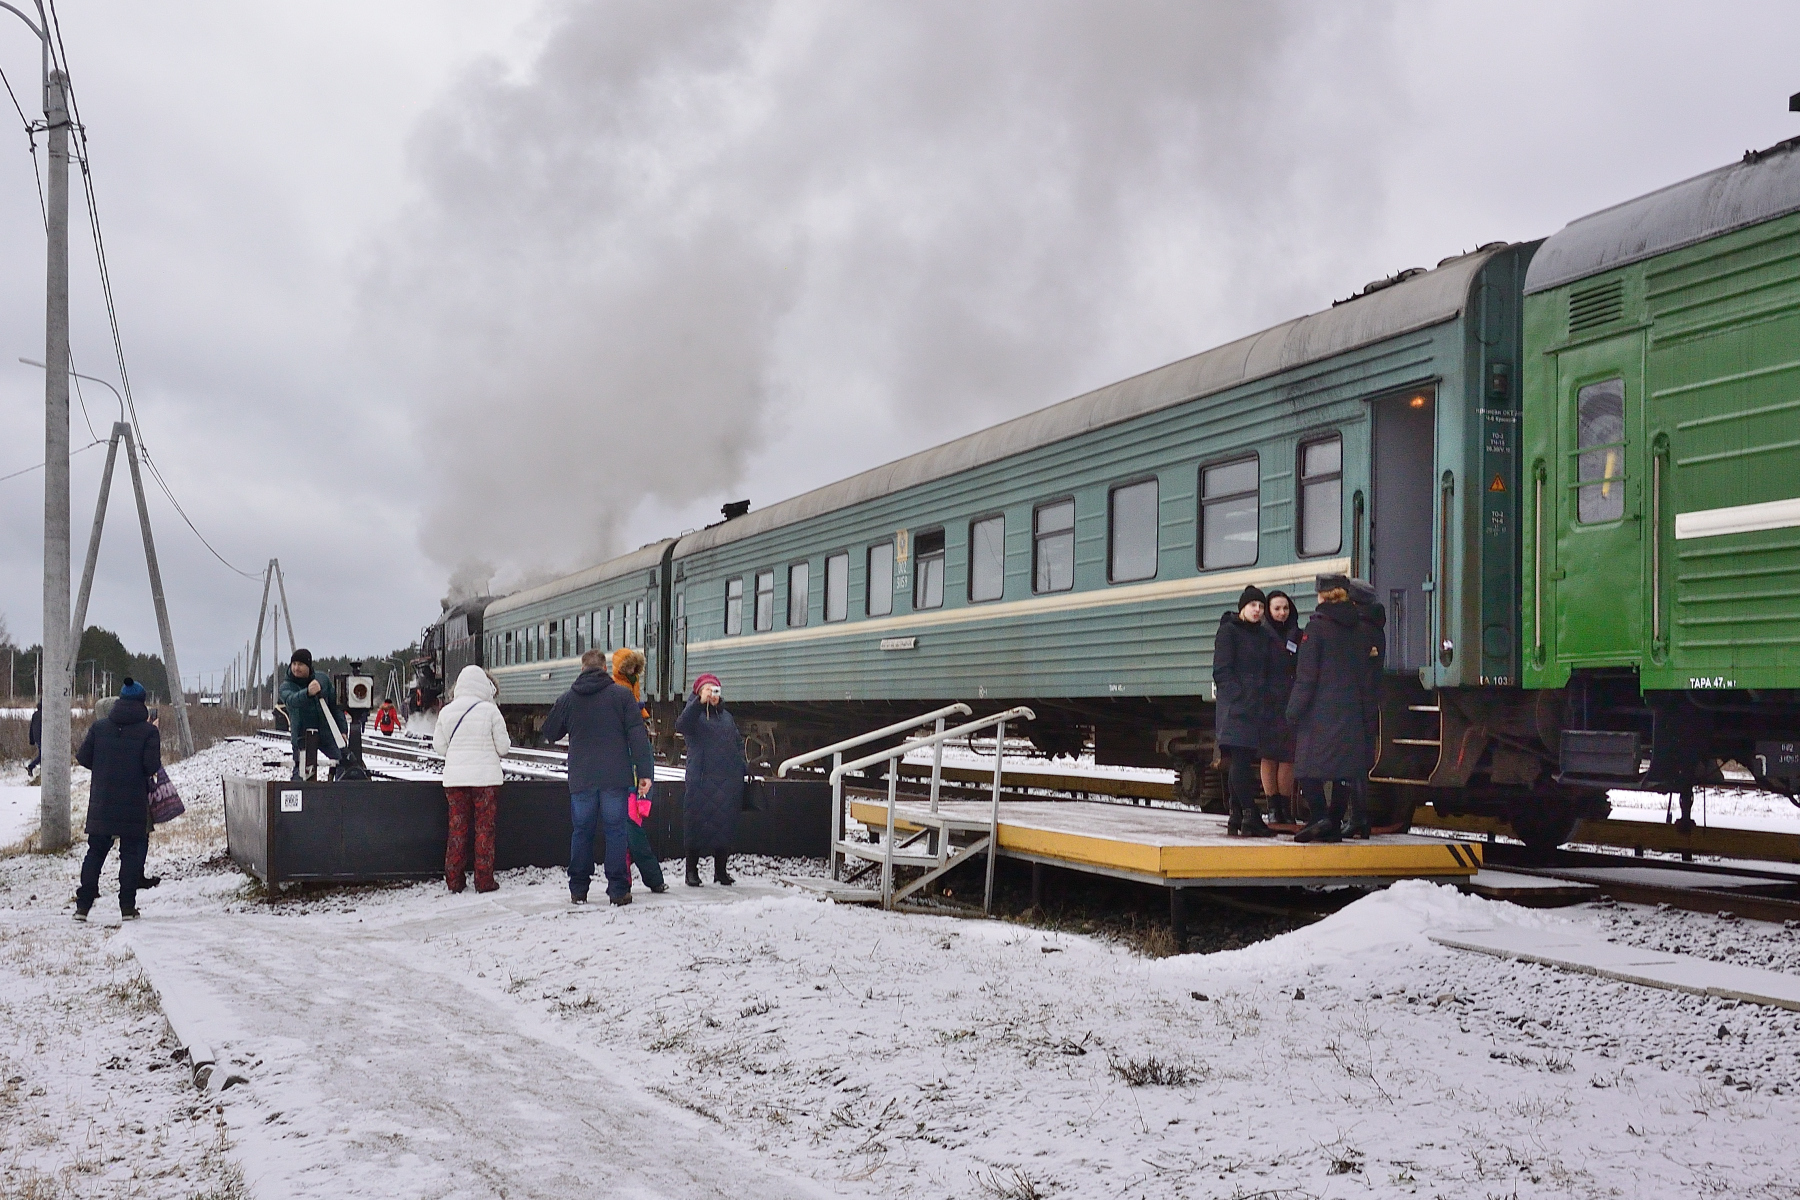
[
  {"x": 123, "y": 750},
  {"x": 1282, "y": 625},
  {"x": 1241, "y": 695},
  {"x": 1330, "y": 708},
  {"x": 714, "y": 793}
]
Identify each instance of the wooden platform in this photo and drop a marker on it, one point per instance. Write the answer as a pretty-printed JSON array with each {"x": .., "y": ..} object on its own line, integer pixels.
[{"x": 1179, "y": 848}]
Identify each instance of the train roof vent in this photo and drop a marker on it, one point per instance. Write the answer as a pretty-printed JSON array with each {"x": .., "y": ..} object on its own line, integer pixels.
[
  {"x": 1592, "y": 307},
  {"x": 1369, "y": 289}
]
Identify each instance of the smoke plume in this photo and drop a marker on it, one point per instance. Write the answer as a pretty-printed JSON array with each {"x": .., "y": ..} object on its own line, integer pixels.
[{"x": 687, "y": 228}]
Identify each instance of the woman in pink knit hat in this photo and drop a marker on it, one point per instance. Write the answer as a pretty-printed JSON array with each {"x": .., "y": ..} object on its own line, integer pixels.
[{"x": 714, "y": 792}]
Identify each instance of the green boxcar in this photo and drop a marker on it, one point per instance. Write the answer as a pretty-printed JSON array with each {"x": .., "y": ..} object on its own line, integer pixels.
[
  {"x": 1662, "y": 395},
  {"x": 1078, "y": 558}
]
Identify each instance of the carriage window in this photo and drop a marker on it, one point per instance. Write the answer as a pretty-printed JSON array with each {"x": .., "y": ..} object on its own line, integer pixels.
[
  {"x": 1053, "y": 547},
  {"x": 734, "y": 607},
  {"x": 798, "y": 594},
  {"x": 879, "y": 601},
  {"x": 556, "y": 639},
  {"x": 638, "y": 624},
  {"x": 506, "y": 648},
  {"x": 1228, "y": 514},
  {"x": 1600, "y": 441},
  {"x": 765, "y": 600},
  {"x": 837, "y": 587},
  {"x": 987, "y": 558},
  {"x": 597, "y": 627},
  {"x": 1131, "y": 529},
  {"x": 1322, "y": 496},
  {"x": 928, "y": 570},
  {"x": 681, "y": 618}
]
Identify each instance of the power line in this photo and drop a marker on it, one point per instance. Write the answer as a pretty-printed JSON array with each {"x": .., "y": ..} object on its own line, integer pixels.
[
  {"x": 31, "y": 141},
  {"x": 60, "y": 58},
  {"x": 40, "y": 466}
]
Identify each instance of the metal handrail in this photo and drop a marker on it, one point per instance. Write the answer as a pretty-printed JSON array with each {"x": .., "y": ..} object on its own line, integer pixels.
[
  {"x": 936, "y": 740},
  {"x": 888, "y": 731},
  {"x": 908, "y": 746}
]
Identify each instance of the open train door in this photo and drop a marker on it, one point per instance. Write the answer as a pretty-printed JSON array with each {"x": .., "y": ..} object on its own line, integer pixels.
[{"x": 1402, "y": 479}]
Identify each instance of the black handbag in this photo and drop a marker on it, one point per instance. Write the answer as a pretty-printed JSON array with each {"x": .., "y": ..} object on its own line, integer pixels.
[{"x": 756, "y": 795}]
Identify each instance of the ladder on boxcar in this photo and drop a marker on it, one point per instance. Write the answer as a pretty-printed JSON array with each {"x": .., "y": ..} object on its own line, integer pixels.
[{"x": 928, "y": 840}]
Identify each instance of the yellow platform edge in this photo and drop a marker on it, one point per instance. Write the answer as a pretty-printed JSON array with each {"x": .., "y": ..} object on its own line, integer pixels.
[{"x": 1243, "y": 860}]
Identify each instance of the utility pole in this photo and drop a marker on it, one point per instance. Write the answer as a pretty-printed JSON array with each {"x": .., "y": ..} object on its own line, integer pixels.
[
  {"x": 53, "y": 805},
  {"x": 178, "y": 696}
]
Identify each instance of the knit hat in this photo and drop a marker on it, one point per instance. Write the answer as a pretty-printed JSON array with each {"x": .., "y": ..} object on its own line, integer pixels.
[
  {"x": 706, "y": 679},
  {"x": 301, "y": 656},
  {"x": 132, "y": 690},
  {"x": 1326, "y": 583},
  {"x": 1250, "y": 595}
]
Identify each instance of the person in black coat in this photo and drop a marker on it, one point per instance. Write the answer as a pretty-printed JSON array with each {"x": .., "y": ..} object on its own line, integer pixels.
[
  {"x": 1241, "y": 695},
  {"x": 609, "y": 758},
  {"x": 714, "y": 793},
  {"x": 1331, "y": 708},
  {"x": 1281, "y": 622},
  {"x": 122, "y": 750},
  {"x": 37, "y": 740}
]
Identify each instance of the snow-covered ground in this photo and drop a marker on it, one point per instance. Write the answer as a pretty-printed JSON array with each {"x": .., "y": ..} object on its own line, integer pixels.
[
  {"x": 18, "y": 812},
  {"x": 1732, "y": 808},
  {"x": 398, "y": 1041}
]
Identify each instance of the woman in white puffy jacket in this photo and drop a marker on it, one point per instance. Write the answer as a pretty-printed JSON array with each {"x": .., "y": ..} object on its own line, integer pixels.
[{"x": 471, "y": 735}]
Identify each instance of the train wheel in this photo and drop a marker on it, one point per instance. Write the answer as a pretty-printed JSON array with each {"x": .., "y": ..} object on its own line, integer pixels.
[
  {"x": 1190, "y": 781},
  {"x": 1543, "y": 823}
]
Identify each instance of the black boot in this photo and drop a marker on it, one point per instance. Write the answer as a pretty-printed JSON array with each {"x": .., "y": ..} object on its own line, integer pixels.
[
  {"x": 1323, "y": 830},
  {"x": 1357, "y": 826},
  {"x": 1281, "y": 810},
  {"x": 693, "y": 870},
  {"x": 720, "y": 874},
  {"x": 1251, "y": 824}
]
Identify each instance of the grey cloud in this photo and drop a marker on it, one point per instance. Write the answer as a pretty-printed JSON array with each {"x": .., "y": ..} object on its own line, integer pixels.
[{"x": 682, "y": 221}]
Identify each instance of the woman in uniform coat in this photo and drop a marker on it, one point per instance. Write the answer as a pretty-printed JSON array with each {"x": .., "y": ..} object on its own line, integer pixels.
[
  {"x": 1282, "y": 625},
  {"x": 714, "y": 793},
  {"x": 1331, "y": 708},
  {"x": 1241, "y": 696}
]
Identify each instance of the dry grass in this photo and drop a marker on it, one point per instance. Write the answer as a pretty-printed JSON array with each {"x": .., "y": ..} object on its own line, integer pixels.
[{"x": 211, "y": 726}]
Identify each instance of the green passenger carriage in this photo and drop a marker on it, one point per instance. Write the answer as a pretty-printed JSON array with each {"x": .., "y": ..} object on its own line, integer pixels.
[
  {"x": 1571, "y": 470},
  {"x": 1663, "y": 430}
]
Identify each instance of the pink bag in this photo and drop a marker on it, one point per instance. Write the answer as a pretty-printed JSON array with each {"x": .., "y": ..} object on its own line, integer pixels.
[
  {"x": 637, "y": 808},
  {"x": 165, "y": 801}
]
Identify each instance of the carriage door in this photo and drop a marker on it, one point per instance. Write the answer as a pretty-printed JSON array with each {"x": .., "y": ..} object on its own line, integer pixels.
[
  {"x": 678, "y": 643},
  {"x": 1404, "y": 463},
  {"x": 1599, "y": 543}
]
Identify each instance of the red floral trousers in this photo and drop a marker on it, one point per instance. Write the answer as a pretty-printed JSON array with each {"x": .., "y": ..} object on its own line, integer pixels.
[{"x": 483, "y": 801}]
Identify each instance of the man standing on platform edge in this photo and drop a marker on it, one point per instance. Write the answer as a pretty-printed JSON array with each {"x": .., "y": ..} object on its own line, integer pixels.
[{"x": 609, "y": 757}]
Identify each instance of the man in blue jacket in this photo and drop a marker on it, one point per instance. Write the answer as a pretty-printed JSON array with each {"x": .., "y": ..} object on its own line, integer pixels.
[{"x": 609, "y": 755}]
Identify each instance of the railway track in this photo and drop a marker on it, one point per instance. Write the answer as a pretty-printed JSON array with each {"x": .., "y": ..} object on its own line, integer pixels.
[{"x": 1755, "y": 884}]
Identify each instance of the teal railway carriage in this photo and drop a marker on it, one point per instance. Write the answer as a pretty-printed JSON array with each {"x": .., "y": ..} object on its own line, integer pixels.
[
  {"x": 1077, "y": 559},
  {"x": 1661, "y": 607},
  {"x": 535, "y": 638}
]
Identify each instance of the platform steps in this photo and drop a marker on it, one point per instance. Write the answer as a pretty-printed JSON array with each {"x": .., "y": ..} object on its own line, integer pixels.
[{"x": 921, "y": 840}]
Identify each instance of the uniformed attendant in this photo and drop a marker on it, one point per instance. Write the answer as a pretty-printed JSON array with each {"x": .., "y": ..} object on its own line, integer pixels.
[
  {"x": 1276, "y": 745},
  {"x": 1241, "y": 696},
  {"x": 1331, "y": 708}
]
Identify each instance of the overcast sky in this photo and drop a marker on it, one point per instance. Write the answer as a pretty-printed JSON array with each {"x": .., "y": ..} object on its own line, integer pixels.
[{"x": 418, "y": 290}]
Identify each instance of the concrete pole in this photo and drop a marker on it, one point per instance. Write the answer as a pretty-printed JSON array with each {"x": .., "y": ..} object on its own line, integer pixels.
[
  {"x": 53, "y": 805},
  {"x": 178, "y": 696},
  {"x": 253, "y": 651},
  {"x": 287, "y": 613},
  {"x": 79, "y": 624}
]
